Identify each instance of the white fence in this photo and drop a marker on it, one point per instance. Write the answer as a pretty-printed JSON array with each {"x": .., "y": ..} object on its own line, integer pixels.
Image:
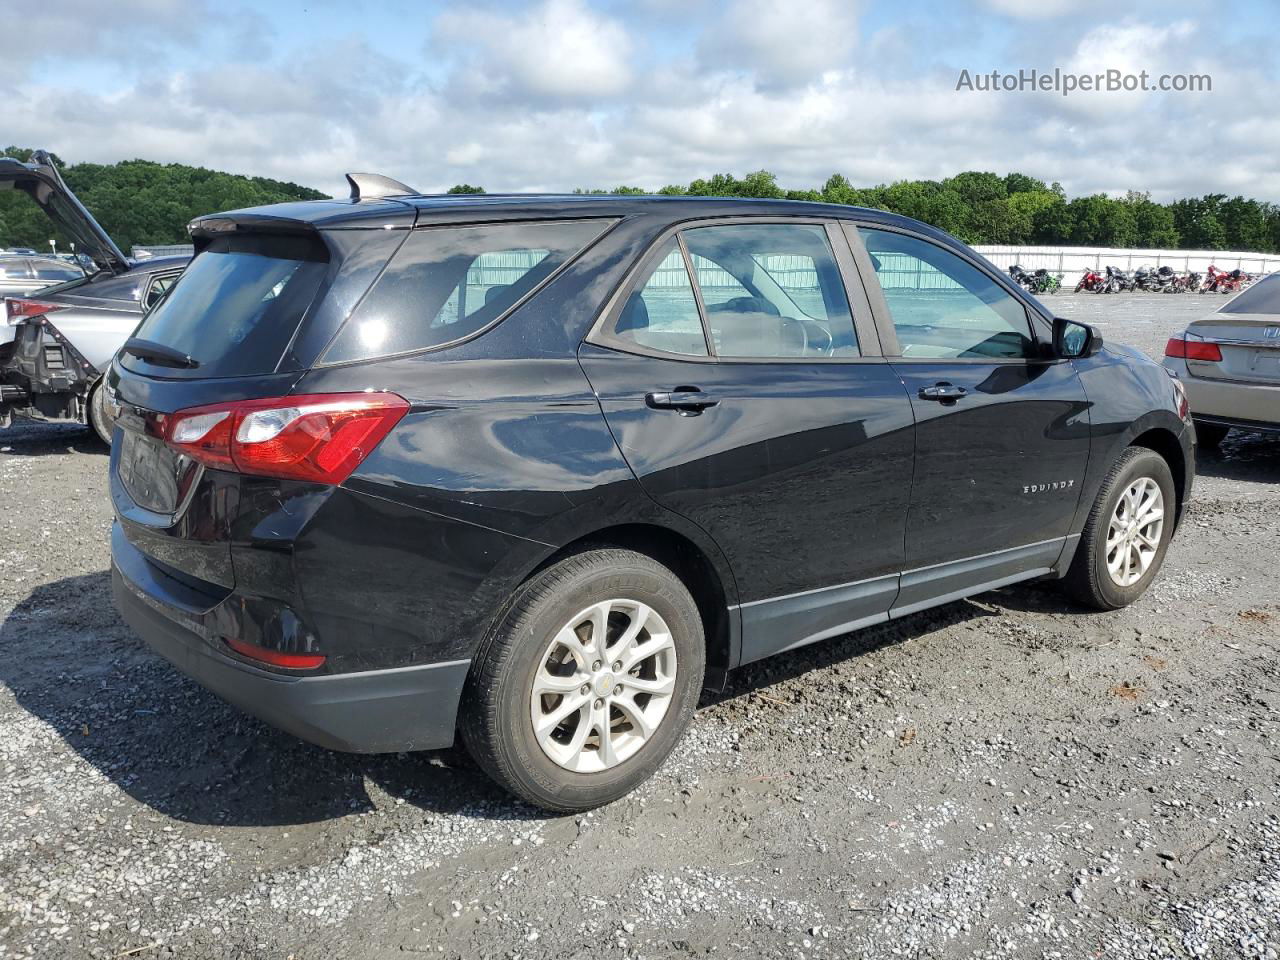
[{"x": 1075, "y": 260}]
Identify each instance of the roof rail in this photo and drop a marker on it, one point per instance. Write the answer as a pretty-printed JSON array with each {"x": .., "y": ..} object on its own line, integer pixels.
[{"x": 371, "y": 186}]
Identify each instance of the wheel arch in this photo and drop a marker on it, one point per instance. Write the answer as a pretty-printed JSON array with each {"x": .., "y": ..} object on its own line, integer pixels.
[
  {"x": 1165, "y": 442},
  {"x": 699, "y": 568}
]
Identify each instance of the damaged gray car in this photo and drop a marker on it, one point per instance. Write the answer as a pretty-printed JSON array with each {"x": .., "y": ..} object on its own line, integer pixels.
[{"x": 60, "y": 339}]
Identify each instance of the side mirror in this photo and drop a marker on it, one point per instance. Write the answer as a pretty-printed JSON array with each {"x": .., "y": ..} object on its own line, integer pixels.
[{"x": 1072, "y": 340}]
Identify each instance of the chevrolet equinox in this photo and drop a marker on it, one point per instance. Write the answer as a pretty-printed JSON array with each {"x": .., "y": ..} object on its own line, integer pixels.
[{"x": 533, "y": 470}]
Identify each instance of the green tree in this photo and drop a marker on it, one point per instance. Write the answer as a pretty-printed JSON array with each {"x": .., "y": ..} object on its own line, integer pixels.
[
  {"x": 464, "y": 188},
  {"x": 986, "y": 218},
  {"x": 1029, "y": 212},
  {"x": 926, "y": 200},
  {"x": 1100, "y": 221},
  {"x": 139, "y": 201},
  {"x": 1197, "y": 223},
  {"x": 761, "y": 184},
  {"x": 1245, "y": 224},
  {"x": 1021, "y": 183}
]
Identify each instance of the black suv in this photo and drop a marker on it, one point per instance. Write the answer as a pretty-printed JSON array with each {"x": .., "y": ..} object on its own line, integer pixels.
[{"x": 537, "y": 468}]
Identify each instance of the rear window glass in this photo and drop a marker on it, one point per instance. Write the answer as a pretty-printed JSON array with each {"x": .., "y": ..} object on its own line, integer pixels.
[
  {"x": 236, "y": 307},
  {"x": 1262, "y": 297},
  {"x": 446, "y": 283},
  {"x": 14, "y": 269}
]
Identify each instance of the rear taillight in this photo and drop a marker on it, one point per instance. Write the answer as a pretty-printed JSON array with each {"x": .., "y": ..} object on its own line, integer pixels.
[
  {"x": 294, "y": 661},
  {"x": 1185, "y": 349},
  {"x": 316, "y": 437},
  {"x": 18, "y": 309}
]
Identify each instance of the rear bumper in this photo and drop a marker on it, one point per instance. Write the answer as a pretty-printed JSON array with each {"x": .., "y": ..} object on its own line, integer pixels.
[
  {"x": 375, "y": 711},
  {"x": 1230, "y": 402}
]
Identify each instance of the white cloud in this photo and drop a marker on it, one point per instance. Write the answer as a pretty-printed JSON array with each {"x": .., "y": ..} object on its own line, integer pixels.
[
  {"x": 782, "y": 44},
  {"x": 557, "y": 49},
  {"x": 1044, "y": 9},
  {"x": 559, "y": 95}
]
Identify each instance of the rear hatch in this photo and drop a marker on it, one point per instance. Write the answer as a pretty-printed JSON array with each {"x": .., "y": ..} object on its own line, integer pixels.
[
  {"x": 240, "y": 324},
  {"x": 264, "y": 294},
  {"x": 41, "y": 181}
]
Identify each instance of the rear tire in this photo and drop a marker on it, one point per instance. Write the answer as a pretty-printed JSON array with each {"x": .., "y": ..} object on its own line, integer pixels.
[
  {"x": 543, "y": 661},
  {"x": 1210, "y": 435},
  {"x": 99, "y": 419},
  {"x": 1115, "y": 561}
]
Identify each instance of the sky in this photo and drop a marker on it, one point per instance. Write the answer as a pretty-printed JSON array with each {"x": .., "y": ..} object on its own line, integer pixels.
[{"x": 550, "y": 95}]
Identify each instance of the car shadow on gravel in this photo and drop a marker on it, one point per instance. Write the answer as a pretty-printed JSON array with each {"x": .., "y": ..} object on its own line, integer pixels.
[
  {"x": 71, "y": 663},
  {"x": 29, "y": 439},
  {"x": 1244, "y": 455}
]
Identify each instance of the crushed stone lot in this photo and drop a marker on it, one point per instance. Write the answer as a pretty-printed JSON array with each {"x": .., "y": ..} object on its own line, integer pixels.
[{"x": 1006, "y": 776}]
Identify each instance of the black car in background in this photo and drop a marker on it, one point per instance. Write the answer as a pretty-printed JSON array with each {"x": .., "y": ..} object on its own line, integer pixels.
[{"x": 536, "y": 468}]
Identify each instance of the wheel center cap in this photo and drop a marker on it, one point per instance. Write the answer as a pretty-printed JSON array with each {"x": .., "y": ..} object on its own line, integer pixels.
[{"x": 603, "y": 684}]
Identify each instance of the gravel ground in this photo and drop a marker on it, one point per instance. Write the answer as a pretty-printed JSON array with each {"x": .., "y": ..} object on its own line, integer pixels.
[{"x": 1005, "y": 776}]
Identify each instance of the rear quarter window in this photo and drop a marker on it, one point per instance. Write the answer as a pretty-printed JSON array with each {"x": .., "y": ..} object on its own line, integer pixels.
[{"x": 445, "y": 284}]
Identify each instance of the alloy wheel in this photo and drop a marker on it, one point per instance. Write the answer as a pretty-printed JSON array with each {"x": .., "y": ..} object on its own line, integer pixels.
[
  {"x": 1133, "y": 537},
  {"x": 603, "y": 685}
]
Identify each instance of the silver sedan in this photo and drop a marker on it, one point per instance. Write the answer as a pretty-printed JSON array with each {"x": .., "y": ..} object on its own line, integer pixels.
[{"x": 1230, "y": 364}]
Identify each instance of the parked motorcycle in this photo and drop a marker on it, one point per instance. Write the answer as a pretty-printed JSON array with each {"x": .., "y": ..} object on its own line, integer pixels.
[
  {"x": 1221, "y": 281},
  {"x": 1118, "y": 281},
  {"x": 1092, "y": 282},
  {"x": 1045, "y": 282}
]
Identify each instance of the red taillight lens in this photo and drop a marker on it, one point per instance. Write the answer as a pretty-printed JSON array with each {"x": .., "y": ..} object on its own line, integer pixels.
[
  {"x": 18, "y": 309},
  {"x": 1192, "y": 350},
  {"x": 295, "y": 661},
  {"x": 317, "y": 437}
]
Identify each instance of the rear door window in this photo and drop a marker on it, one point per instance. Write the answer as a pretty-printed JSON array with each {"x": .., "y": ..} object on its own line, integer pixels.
[
  {"x": 446, "y": 283},
  {"x": 237, "y": 306},
  {"x": 772, "y": 290}
]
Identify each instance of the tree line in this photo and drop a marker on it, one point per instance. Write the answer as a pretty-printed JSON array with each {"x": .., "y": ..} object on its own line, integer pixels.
[
  {"x": 138, "y": 201},
  {"x": 985, "y": 208},
  {"x": 142, "y": 202}
]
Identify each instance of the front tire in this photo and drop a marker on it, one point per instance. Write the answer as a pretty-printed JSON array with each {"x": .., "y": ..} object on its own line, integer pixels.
[
  {"x": 1127, "y": 533},
  {"x": 587, "y": 682}
]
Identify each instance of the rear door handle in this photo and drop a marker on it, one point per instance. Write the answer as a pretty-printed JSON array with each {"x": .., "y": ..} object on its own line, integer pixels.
[
  {"x": 943, "y": 393},
  {"x": 688, "y": 399}
]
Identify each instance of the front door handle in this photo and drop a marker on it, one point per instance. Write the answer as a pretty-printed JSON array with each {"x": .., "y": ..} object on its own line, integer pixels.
[
  {"x": 943, "y": 392},
  {"x": 684, "y": 399}
]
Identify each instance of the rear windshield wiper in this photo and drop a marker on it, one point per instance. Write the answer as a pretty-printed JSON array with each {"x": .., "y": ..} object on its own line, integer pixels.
[{"x": 158, "y": 353}]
